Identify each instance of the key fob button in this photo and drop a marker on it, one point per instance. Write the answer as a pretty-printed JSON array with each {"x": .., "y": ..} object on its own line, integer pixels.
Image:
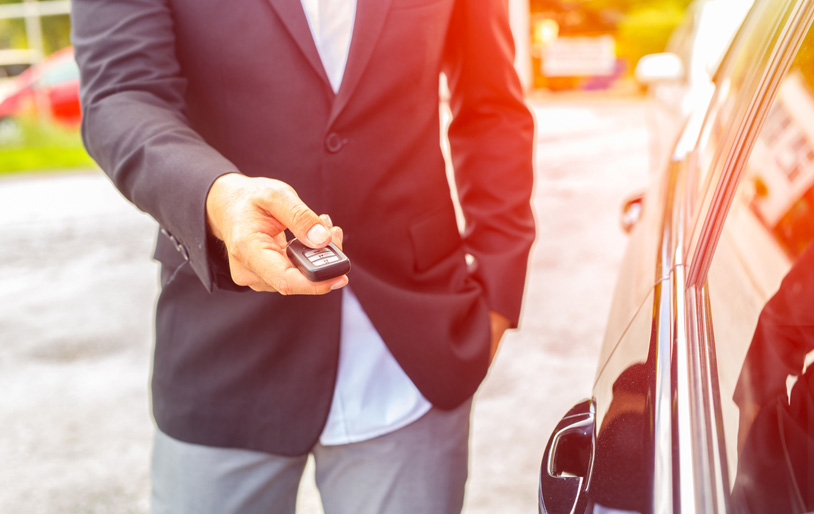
[
  {"x": 318, "y": 264},
  {"x": 317, "y": 253},
  {"x": 323, "y": 262}
]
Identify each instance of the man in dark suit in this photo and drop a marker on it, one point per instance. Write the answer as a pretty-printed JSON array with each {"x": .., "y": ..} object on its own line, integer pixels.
[{"x": 230, "y": 122}]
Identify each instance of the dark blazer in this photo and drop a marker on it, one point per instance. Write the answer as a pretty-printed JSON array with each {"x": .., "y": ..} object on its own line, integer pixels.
[{"x": 178, "y": 92}]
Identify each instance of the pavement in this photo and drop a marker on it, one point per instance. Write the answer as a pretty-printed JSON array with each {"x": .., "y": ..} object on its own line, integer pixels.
[{"x": 78, "y": 287}]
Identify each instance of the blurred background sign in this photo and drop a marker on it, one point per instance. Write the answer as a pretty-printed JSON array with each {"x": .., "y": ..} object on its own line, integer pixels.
[{"x": 579, "y": 57}]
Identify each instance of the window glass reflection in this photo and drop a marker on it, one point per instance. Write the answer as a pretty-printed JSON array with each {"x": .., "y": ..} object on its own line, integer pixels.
[
  {"x": 761, "y": 290},
  {"x": 736, "y": 80}
]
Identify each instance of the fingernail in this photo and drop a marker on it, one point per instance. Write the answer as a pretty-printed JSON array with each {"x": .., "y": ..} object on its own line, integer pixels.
[
  {"x": 319, "y": 234},
  {"x": 339, "y": 283},
  {"x": 327, "y": 220}
]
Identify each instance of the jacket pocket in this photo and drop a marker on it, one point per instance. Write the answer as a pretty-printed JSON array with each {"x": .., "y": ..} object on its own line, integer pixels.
[{"x": 433, "y": 238}]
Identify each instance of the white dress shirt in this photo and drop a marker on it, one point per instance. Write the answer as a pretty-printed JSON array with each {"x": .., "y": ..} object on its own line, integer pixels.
[{"x": 373, "y": 396}]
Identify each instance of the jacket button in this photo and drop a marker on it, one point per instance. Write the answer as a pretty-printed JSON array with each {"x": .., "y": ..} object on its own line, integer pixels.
[{"x": 334, "y": 143}]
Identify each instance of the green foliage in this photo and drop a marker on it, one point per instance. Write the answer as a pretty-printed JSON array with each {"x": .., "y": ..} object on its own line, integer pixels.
[
  {"x": 34, "y": 145},
  {"x": 12, "y": 34},
  {"x": 642, "y": 26},
  {"x": 629, "y": 6},
  {"x": 646, "y": 28},
  {"x": 56, "y": 31}
]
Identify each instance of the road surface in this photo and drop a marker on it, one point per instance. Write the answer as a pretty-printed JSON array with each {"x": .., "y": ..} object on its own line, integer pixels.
[{"x": 77, "y": 289}]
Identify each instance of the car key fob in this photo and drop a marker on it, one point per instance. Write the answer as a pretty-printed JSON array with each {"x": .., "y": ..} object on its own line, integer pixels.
[{"x": 318, "y": 264}]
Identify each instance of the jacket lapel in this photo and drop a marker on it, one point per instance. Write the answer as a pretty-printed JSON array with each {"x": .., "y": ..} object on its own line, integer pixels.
[
  {"x": 370, "y": 18},
  {"x": 293, "y": 17}
]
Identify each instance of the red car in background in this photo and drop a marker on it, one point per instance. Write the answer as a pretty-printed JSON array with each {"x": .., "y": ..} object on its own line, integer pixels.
[{"x": 48, "y": 90}]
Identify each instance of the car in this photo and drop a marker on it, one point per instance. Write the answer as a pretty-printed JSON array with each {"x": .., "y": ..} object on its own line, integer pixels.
[
  {"x": 703, "y": 399},
  {"x": 47, "y": 90},
  {"x": 680, "y": 78}
]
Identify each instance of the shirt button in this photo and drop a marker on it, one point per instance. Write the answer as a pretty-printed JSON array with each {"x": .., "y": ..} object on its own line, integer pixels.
[{"x": 334, "y": 143}]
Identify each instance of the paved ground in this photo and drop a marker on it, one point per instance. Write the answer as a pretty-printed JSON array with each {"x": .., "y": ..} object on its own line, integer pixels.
[{"x": 77, "y": 290}]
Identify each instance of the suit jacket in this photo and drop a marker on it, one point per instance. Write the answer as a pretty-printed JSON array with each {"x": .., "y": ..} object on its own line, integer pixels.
[{"x": 178, "y": 92}]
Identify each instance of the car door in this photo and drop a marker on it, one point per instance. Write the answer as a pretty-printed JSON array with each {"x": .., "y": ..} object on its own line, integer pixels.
[
  {"x": 755, "y": 299},
  {"x": 650, "y": 440}
]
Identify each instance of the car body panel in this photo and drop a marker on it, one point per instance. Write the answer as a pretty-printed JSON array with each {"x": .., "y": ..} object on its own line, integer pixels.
[{"x": 663, "y": 438}]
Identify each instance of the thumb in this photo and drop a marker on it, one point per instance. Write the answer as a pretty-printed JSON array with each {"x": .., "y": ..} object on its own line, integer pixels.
[{"x": 287, "y": 208}]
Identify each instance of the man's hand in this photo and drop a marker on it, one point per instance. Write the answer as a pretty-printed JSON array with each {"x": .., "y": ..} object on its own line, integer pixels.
[
  {"x": 499, "y": 325},
  {"x": 250, "y": 216}
]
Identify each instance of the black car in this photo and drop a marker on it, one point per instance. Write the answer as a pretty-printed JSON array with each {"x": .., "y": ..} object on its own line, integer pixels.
[{"x": 704, "y": 397}]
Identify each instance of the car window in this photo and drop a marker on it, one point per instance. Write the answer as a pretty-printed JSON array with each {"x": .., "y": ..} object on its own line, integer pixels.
[
  {"x": 681, "y": 39},
  {"x": 717, "y": 22},
  {"x": 736, "y": 81},
  {"x": 761, "y": 302}
]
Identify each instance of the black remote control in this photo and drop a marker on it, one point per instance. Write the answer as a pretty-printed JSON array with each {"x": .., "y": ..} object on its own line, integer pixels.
[{"x": 318, "y": 264}]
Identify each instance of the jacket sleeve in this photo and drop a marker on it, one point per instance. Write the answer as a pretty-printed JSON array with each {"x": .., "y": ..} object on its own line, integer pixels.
[
  {"x": 491, "y": 138},
  {"x": 134, "y": 124}
]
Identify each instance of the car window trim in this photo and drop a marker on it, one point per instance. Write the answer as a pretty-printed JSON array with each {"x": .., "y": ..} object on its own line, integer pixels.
[
  {"x": 791, "y": 37},
  {"x": 703, "y": 199},
  {"x": 709, "y": 459},
  {"x": 709, "y": 455},
  {"x": 702, "y": 408}
]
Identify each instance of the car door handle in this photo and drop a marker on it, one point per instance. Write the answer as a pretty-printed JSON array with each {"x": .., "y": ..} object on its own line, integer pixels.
[
  {"x": 577, "y": 433},
  {"x": 566, "y": 467},
  {"x": 631, "y": 212}
]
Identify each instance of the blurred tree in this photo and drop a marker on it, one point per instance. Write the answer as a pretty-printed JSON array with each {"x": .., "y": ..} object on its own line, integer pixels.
[
  {"x": 642, "y": 26},
  {"x": 646, "y": 28},
  {"x": 55, "y": 30},
  {"x": 12, "y": 32},
  {"x": 628, "y": 6}
]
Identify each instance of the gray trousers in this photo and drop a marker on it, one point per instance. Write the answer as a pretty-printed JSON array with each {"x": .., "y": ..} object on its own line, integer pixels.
[{"x": 421, "y": 468}]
